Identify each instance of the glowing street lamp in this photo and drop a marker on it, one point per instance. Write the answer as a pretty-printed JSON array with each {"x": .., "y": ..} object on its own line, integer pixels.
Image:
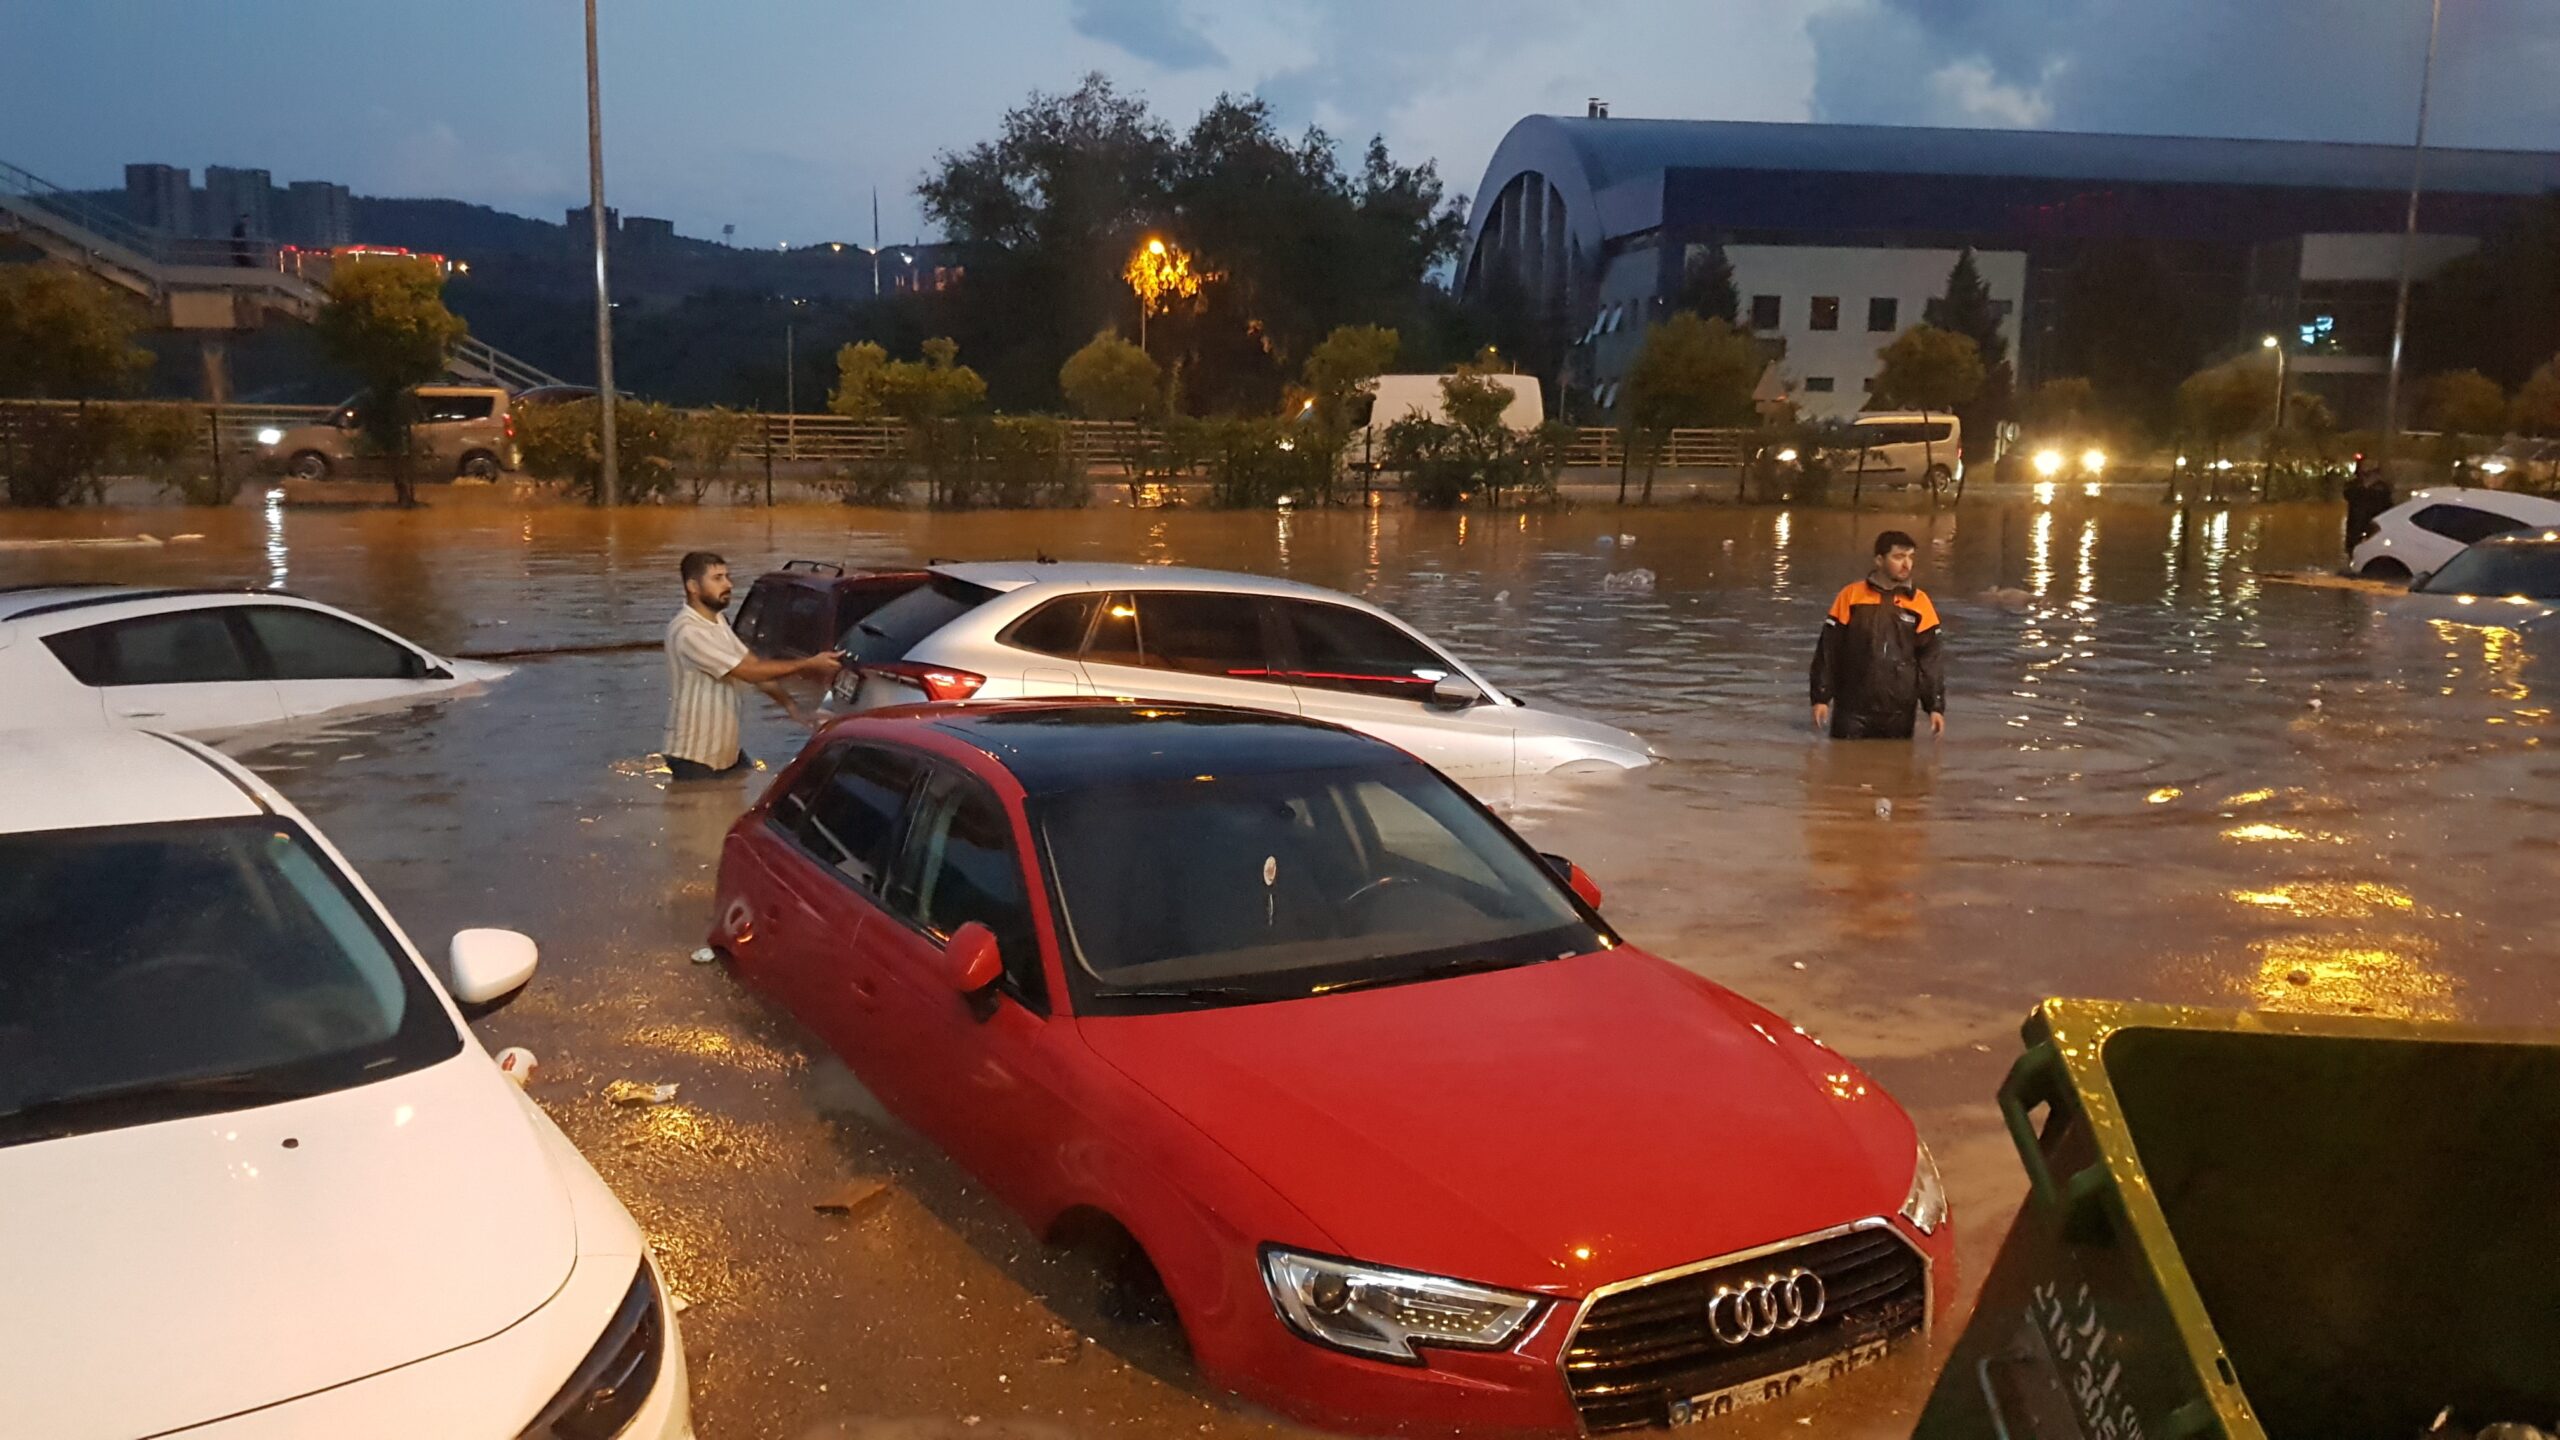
[{"x": 1160, "y": 273}]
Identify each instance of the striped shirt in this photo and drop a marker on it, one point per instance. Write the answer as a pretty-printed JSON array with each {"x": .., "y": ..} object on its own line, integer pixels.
[{"x": 702, "y": 706}]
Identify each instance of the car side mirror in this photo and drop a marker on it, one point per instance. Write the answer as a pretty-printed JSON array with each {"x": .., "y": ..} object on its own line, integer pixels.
[
  {"x": 972, "y": 960},
  {"x": 1455, "y": 692},
  {"x": 488, "y": 968},
  {"x": 1575, "y": 878}
]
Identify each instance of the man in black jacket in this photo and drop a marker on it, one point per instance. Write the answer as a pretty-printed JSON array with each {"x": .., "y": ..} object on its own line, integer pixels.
[{"x": 1880, "y": 653}]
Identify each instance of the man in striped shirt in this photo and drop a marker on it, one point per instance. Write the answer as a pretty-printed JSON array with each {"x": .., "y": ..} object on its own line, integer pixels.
[{"x": 706, "y": 665}]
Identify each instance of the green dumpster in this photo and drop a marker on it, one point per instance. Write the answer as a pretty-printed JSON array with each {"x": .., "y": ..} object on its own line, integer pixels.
[{"x": 2268, "y": 1227}]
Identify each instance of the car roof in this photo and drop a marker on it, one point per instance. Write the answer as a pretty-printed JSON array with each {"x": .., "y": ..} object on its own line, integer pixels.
[
  {"x": 2524, "y": 540},
  {"x": 2536, "y": 508},
  {"x": 18, "y": 603},
  {"x": 72, "y": 778},
  {"x": 1052, "y": 746},
  {"x": 1015, "y": 574}
]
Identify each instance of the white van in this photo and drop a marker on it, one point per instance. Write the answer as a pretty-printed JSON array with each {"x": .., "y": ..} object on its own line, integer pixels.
[
  {"x": 1904, "y": 447},
  {"x": 1394, "y": 397}
]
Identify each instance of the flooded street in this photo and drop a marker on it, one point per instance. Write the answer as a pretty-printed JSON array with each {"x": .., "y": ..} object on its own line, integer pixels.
[{"x": 2164, "y": 777}]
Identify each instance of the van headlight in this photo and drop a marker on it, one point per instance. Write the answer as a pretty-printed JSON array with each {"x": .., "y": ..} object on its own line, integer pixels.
[
  {"x": 271, "y": 437},
  {"x": 1371, "y": 1310},
  {"x": 614, "y": 1380},
  {"x": 1925, "y": 1205},
  {"x": 2048, "y": 462},
  {"x": 2093, "y": 461}
]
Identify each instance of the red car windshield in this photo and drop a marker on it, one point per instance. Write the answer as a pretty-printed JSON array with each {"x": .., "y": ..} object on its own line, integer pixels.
[{"x": 1273, "y": 886}]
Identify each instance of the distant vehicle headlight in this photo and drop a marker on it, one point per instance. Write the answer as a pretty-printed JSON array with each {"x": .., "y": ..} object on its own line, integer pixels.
[
  {"x": 2493, "y": 467},
  {"x": 271, "y": 436},
  {"x": 1787, "y": 456},
  {"x": 1370, "y": 1310},
  {"x": 2093, "y": 461},
  {"x": 2048, "y": 462}
]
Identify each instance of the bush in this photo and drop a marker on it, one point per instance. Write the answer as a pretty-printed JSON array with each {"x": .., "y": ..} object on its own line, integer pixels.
[
  {"x": 710, "y": 441},
  {"x": 52, "y": 454},
  {"x": 1446, "y": 465},
  {"x": 1254, "y": 462},
  {"x": 171, "y": 446},
  {"x": 563, "y": 443}
]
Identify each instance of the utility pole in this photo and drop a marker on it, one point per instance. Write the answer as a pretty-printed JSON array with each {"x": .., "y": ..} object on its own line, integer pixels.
[
  {"x": 609, "y": 481},
  {"x": 2408, "y": 248},
  {"x": 875, "y": 242},
  {"x": 791, "y": 381}
]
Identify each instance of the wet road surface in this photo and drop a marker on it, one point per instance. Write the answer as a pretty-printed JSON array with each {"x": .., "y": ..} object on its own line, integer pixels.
[{"x": 2165, "y": 777}]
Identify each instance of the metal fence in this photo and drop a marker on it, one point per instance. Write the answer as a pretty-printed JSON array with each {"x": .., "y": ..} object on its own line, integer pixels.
[{"x": 238, "y": 426}]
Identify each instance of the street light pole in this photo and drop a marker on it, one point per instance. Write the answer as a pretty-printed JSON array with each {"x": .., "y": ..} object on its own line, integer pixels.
[
  {"x": 791, "y": 384},
  {"x": 2408, "y": 246},
  {"x": 2276, "y": 343},
  {"x": 609, "y": 483}
]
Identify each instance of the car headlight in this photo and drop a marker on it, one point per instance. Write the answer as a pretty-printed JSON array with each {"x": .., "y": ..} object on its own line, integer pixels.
[
  {"x": 1787, "y": 457},
  {"x": 2093, "y": 461},
  {"x": 1371, "y": 1310},
  {"x": 271, "y": 436},
  {"x": 614, "y": 1380},
  {"x": 1926, "y": 1204},
  {"x": 2048, "y": 462},
  {"x": 2493, "y": 467}
]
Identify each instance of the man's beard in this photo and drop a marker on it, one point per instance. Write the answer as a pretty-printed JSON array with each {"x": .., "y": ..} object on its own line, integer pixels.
[{"x": 715, "y": 603}]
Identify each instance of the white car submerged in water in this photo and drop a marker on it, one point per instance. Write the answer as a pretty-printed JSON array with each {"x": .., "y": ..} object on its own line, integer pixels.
[
  {"x": 258, "y": 1181},
  {"x": 202, "y": 662},
  {"x": 1018, "y": 630}
]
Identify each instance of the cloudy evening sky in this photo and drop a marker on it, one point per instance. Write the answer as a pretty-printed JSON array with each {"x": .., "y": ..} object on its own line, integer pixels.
[{"x": 779, "y": 116}]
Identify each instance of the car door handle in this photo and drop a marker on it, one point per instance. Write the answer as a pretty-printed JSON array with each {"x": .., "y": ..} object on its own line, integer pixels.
[{"x": 142, "y": 714}]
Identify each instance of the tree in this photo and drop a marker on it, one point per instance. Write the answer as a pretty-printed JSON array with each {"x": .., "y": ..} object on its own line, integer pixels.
[
  {"x": 1052, "y": 208},
  {"x": 1689, "y": 372},
  {"x": 1968, "y": 309},
  {"x": 1343, "y": 370},
  {"x": 869, "y": 384},
  {"x": 1111, "y": 379},
  {"x": 2462, "y": 401},
  {"x": 65, "y": 337},
  {"x": 1925, "y": 369},
  {"x": 2225, "y": 401},
  {"x": 2537, "y": 404},
  {"x": 1706, "y": 285},
  {"x": 2066, "y": 404},
  {"x": 385, "y": 319}
]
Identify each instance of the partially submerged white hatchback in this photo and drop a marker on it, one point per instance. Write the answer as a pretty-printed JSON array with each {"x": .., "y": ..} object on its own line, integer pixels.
[
  {"x": 257, "y": 1178},
  {"x": 1003, "y": 631},
  {"x": 202, "y": 662}
]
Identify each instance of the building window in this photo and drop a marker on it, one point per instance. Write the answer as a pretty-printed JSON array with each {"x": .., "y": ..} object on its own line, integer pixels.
[
  {"x": 1826, "y": 312},
  {"x": 1764, "y": 312},
  {"x": 1882, "y": 313},
  {"x": 1818, "y": 384}
]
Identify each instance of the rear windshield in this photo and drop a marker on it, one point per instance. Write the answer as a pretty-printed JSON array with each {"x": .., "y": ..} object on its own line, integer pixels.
[
  {"x": 2529, "y": 570},
  {"x": 887, "y": 633}
]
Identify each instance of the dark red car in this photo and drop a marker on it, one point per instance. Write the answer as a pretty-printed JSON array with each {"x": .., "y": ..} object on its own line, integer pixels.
[
  {"x": 808, "y": 605},
  {"x": 1411, "y": 1138}
]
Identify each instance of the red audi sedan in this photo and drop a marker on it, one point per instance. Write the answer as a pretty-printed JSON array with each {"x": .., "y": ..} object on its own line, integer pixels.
[{"x": 1409, "y": 1138}]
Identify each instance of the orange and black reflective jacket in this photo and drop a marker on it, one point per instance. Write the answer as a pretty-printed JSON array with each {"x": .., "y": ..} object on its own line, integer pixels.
[{"x": 1879, "y": 657}]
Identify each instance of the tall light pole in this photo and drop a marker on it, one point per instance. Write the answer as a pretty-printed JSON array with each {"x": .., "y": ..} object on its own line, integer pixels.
[
  {"x": 2408, "y": 246},
  {"x": 609, "y": 483},
  {"x": 1147, "y": 302},
  {"x": 2276, "y": 344}
]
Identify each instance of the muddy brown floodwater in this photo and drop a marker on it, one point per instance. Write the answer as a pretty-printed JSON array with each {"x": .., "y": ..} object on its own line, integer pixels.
[{"x": 2164, "y": 777}]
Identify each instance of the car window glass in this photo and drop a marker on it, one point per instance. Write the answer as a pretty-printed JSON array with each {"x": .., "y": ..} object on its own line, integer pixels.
[
  {"x": 889, "y": 632},
  {"x": 959, "y": 866},
  {"x": 790, "y": 809},
  {"x": 1339, "y": 648},
  {"x": 807, "y": 617},
  {"x": 145, "y": 955},
  {"x": 1202, "y": 633},
  {"x": 2465, "y": 523},
  {"x": 1408, "y": 836},
  {"x": 447, "y": 409},
  {"x": 856, "y": 602},
  {"x": 1118, "y": 638},
  {"x": 195, "y": 648},
  {"x": 1056, "y": 628},
  {"x": 307, "y": 645},
  {"x": 2505, "y": 569},
  {"x": 853, "y": 817}
]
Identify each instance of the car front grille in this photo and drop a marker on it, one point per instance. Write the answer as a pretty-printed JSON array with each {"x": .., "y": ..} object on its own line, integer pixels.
[{"x": 1638, "y": 1351}]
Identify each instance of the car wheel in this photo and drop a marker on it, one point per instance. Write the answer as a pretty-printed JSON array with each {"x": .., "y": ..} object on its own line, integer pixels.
[
  {"x": 480, "y": 465},
  {"x": 1941, "y": 481},
  {"x": 308, "y": 465},
  {"x": 2384, "y": 568}
]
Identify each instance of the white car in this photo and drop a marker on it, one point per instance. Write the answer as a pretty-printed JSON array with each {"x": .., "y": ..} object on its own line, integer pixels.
[
  {"x": 1006, "y": 631},
  {"x": 2416, "y": 536},
  {"x": 201, "y": 662},
  {"x": 258, "y": 1181}
]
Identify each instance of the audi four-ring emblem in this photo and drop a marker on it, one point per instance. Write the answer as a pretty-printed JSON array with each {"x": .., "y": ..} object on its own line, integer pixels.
[{"x": 1756, "y": 1309}]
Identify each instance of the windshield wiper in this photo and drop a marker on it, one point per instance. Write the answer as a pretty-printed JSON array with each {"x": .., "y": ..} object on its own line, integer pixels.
[
  {"x": 1439, "y": 971},
  {"x": 1196, "y": 994},
  {"x": 48, "y": 1113}
]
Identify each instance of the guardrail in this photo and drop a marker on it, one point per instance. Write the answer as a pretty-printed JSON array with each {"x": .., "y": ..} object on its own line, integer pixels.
[{"x": 236, "y": 425}]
